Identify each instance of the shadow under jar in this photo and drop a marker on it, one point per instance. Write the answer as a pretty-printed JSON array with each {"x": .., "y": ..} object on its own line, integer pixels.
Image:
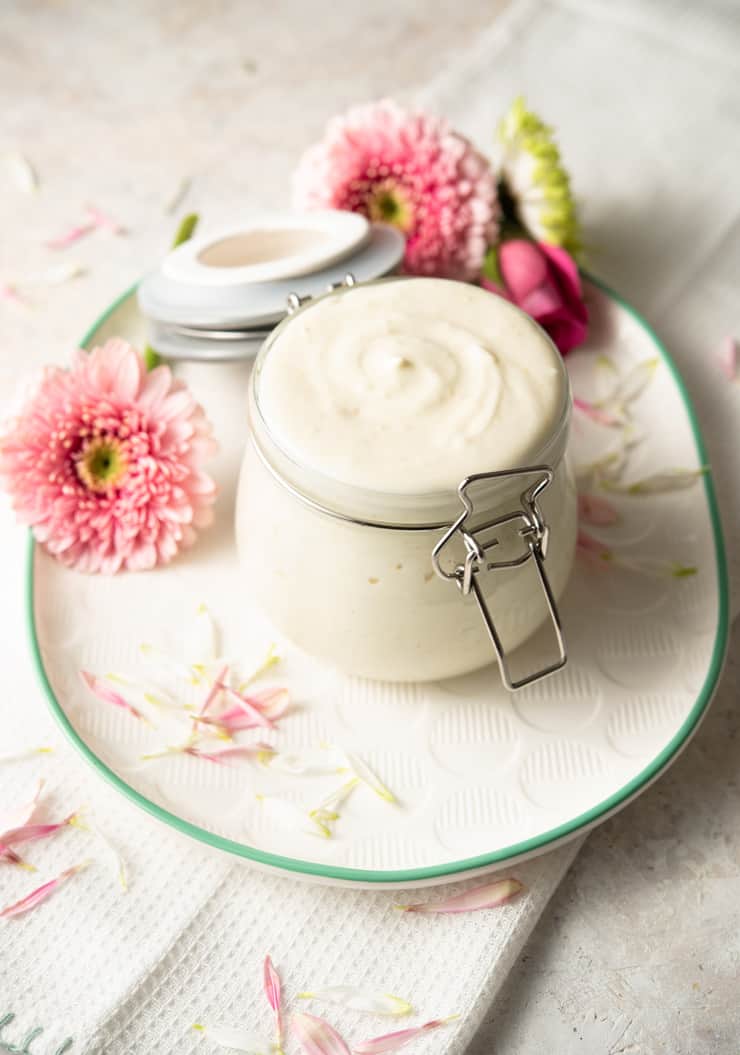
[{"x": 405, "y": 510}]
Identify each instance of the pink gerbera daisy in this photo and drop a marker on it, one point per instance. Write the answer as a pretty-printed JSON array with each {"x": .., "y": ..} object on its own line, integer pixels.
[
  {"x": 103, "y": 462},
  {"x": 412, "y": 171}
]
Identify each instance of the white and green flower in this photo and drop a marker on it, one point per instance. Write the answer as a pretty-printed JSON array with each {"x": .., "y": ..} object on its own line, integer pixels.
[{"x": 534, "y": 187}]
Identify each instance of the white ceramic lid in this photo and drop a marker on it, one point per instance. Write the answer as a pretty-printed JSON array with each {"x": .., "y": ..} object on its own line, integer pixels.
[
  {"x": 244, "y": 304},
  {"x": 267, "y": 248}
]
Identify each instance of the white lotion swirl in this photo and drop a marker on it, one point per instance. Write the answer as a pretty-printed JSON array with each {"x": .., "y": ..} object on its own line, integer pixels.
[{"x": 408, "y": 386}]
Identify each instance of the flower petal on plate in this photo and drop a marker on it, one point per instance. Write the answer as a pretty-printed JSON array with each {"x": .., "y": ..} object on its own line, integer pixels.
[
  {"x": 373, "y": 1001},
  {"x": 104, "y": 692},
  {"x": 217, "y": 687},
  {"x": 316, "y": 1036},
  {"x": 290, "y": 816},
  {"x": 600, "y": 414},
  {"x": 167, "y": 664},
  {"x": 236, "y": 1039},
  {"x": 364, "y": 772},
  {"x": 634, "y": 382},
  {"x": 247, "y": 704},
  {"x": 273, "y": 703},
  {"x": 657, "y": 483},
  {"x": 204, "y": 638},
  {"x": 270, "y": 660},
  {"x": 728, "y": 358},
  {"x": 596, "y": 510},
  {"x": 399, "y": 1039},
  {"x": 488, "y": 895},
  {"x": 316, "y": 761},
  {"x": 30, "y": 901}
]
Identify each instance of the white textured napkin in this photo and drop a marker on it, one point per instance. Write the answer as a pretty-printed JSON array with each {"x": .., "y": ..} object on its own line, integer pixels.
[{"x": 643, "y": 97}]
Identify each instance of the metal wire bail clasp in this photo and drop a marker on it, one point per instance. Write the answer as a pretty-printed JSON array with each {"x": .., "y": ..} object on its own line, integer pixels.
[{"x": 529, "y": 524}]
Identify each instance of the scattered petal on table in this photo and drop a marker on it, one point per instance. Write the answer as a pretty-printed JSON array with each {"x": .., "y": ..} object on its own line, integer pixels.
[
  {"x": 274, "y": 997},
  {"x": 316, "y": 1036},
  {"x": 10, "y": 293},
  {"x": 236, "y": 1039},
  {"x": 204, "y": 637},
  {"x": 728, "y": 358},
  {"x": 377, "y": 1003},
  {"x": 366, "y": 775},
  {"x": 657, "y": 483},
  {"x": 596, "y": 510},
  {"x": 99, "y": 218},
  {"x": 17, "y": 816},
  {"x": 178, "y": 195},
  {"x": 114, "y": 855},
  {"x": 30, "y": 833},
  {"x": 22, "y": 172},
  {"x": 488, "y": 895},
  {"x": 9, "y": 855},
  {"x": 272, "y": 703},
  {"x": 30, "y": 901},
  {"x": 70, "y": 235},
  {"x": 104, "y": 692},
  {"x": 26, "y": 752},
  {"x": 59, "y": 274},
  {"x": 395, "y": 1041}
]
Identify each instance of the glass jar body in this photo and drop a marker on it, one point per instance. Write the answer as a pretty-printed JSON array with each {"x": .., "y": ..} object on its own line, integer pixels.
[{"x": 365, "y": 598}]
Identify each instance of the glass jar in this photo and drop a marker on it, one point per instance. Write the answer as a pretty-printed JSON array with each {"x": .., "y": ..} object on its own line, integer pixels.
[{"x": 404, "y": 586}]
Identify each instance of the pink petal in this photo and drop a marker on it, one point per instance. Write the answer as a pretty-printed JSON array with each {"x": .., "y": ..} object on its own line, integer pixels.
[
  {"x": 522, "y": 267},
  {"x": 215, "y": 690},
  {"x": 399, "y": 1039},
  {"x": 273, "y": 703},
  {"x": 70, "y": 236},
  {"x": 566, "y": 268},
  {"x": 598, "y": 414},
  {"x": 273, "y": 994},
  {"x": 30, "y": 901},
  {"x": 33, "y": 832},
  {"x": 223, "y": 754},
  {"x": 17, "y": 816},
  {"x": 108, "y": 695},
  {"x": 248, "y": 706},
  {"x": 728, "y": 358},
  {"x": 593, "y": 509},
  {"x": 489, "y": 895},
  {"x": 98, "y": 218},
  {"x": 316, "y": 1036},
  {"x": 9, "y": 855}
]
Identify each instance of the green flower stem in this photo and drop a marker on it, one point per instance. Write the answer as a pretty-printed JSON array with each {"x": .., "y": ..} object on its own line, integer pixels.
[{"x": 184, "y": 233}]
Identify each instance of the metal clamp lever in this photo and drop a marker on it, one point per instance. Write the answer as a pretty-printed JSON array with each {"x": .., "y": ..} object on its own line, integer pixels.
[{"x": 534, "y": 532}]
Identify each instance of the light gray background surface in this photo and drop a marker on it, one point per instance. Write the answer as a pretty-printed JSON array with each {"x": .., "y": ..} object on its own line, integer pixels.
[{"x": 116, "y": 103}]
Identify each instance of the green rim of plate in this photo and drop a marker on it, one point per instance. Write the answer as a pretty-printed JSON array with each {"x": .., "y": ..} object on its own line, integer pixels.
[{"x": 469, "y": 864}]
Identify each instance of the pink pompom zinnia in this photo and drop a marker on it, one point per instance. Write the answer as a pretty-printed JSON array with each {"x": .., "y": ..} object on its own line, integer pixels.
[
  {"x": 104, "y": 462},
  {"x": 410, "y": 170}
]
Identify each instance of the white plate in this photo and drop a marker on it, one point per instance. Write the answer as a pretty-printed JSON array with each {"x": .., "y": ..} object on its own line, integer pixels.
[{"x": 483, "y": 777}]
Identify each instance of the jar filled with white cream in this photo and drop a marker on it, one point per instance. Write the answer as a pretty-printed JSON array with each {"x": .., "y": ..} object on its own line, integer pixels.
[{"x": 405, "y": 508}]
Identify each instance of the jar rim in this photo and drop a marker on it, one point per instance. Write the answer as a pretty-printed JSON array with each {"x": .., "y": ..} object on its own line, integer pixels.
[{"x": 366, "y": 506}]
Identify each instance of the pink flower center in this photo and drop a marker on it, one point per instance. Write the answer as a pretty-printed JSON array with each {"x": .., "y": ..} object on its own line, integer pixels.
[
  {"x": 388, "y": 203},
  {"x": 101, "y": 463}
]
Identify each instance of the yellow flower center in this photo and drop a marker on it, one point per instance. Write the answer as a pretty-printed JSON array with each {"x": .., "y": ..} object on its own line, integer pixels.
[
  {"x": 102, "y": 464},
  {"x": 388, "y": 204}
]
